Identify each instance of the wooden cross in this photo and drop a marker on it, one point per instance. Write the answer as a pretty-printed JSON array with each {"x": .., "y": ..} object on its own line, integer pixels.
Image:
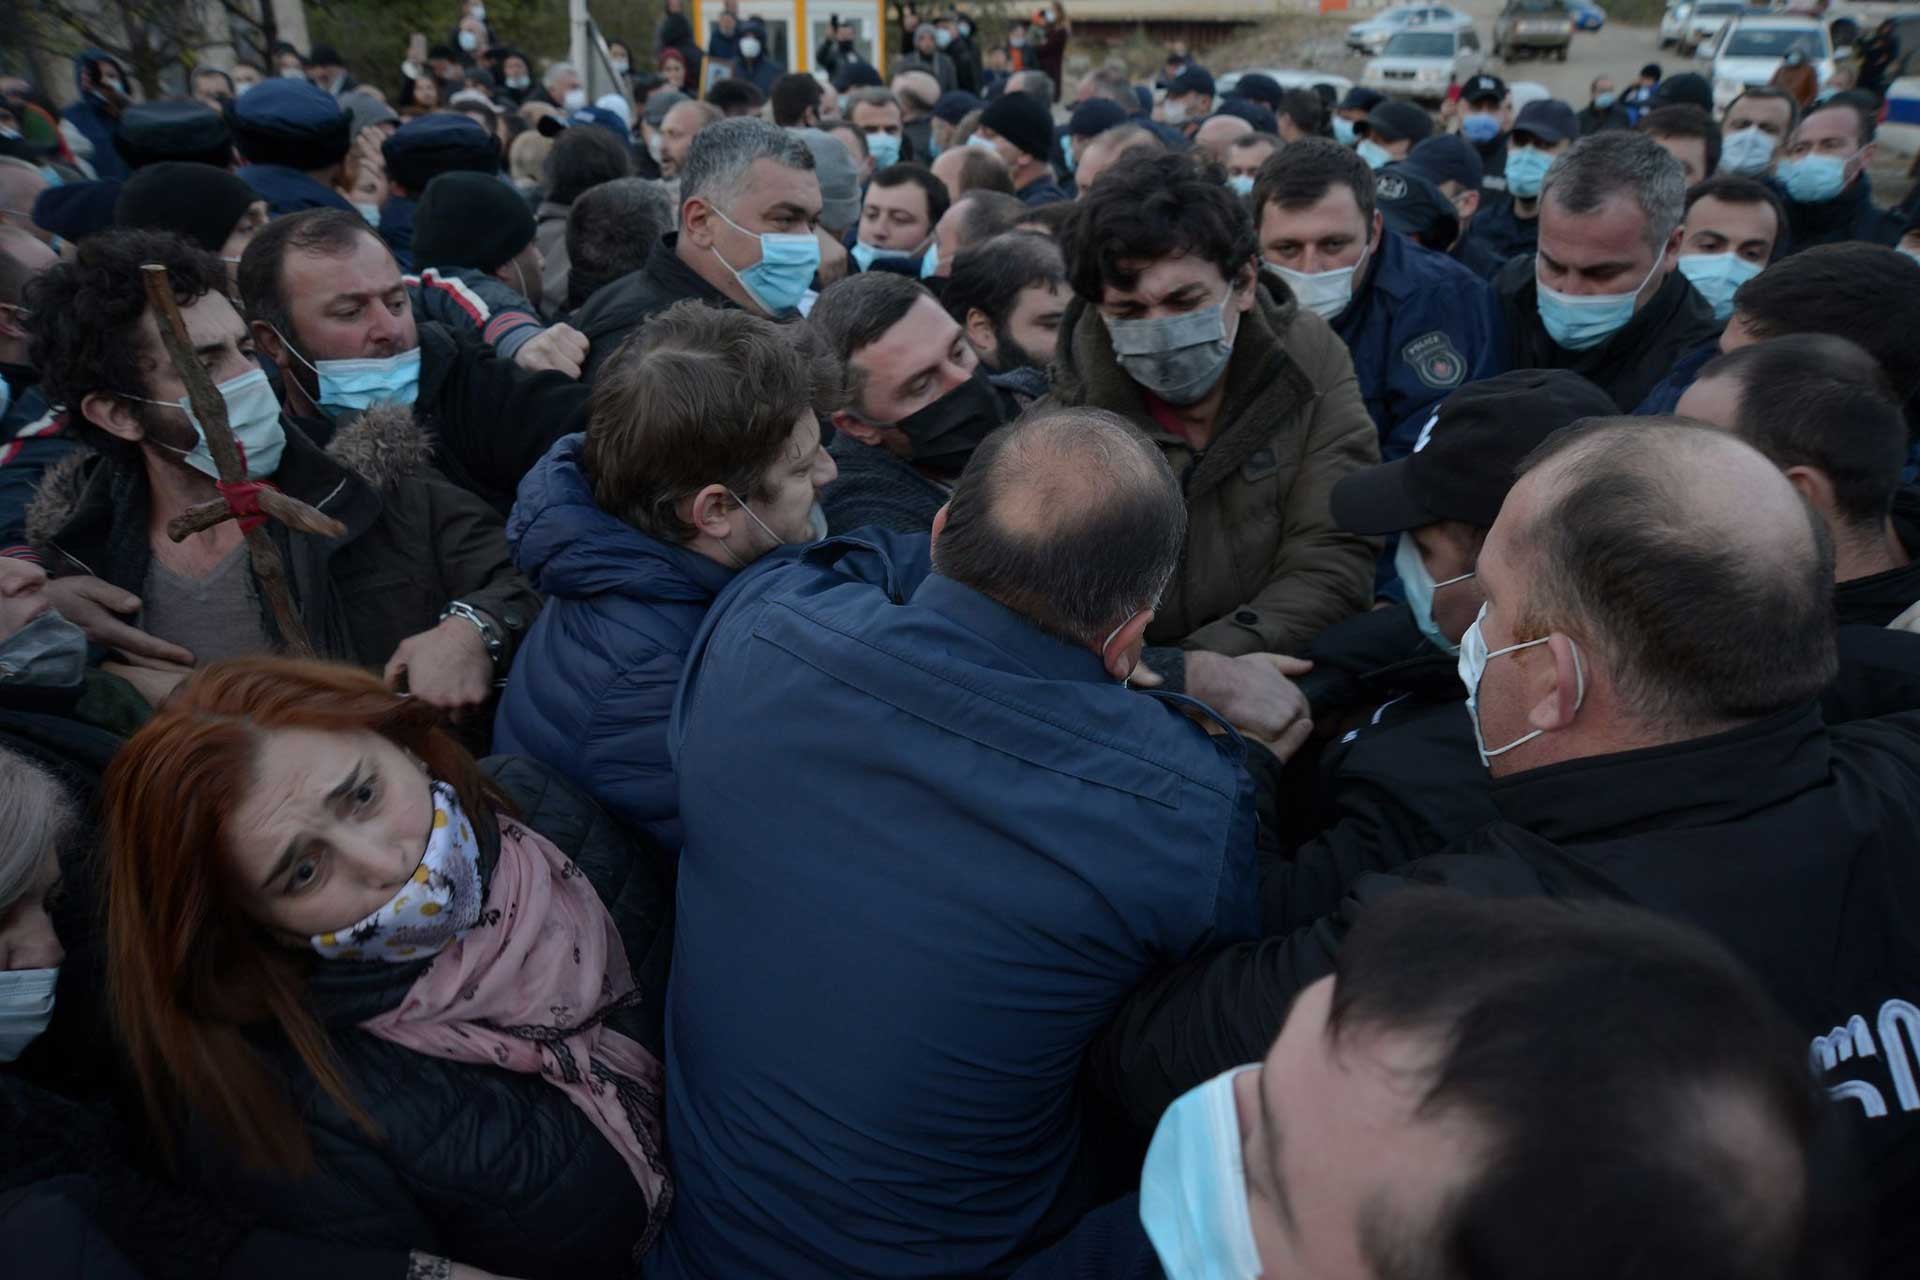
[{"x": 211, "y": 410}]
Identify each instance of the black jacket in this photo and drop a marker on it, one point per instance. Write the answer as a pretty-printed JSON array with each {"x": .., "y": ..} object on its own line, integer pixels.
[
  {"x": 1851, "y": 215},
  {"x": 1790, "y": 841},
  {"x": 486, "y": 1166},
  {"x": 615, "y": 310},
  {"x": 1594, "y": 120},
  {"x": 1500, "y": 231},
  {"x": 1877, "y": 599},
  {"x": 1627, "y": 365},
  {"x": 413, "y": 542}
]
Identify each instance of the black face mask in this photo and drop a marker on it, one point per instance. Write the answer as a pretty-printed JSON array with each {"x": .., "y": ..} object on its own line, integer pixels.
[{"x": 945, "y": 433}]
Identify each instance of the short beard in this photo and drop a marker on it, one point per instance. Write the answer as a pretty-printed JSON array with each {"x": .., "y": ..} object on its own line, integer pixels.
[{"x": 1009, "y": 355}]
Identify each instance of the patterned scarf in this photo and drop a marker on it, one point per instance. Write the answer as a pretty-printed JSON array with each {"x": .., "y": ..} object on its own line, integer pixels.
[{"x": 529, "y": 988}]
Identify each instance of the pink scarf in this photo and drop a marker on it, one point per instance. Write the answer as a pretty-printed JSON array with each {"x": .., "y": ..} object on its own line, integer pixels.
[{"x": 528, "y": 988}]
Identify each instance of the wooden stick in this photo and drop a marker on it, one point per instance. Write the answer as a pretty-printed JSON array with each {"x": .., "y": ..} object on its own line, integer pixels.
[
  {"x": 211, "y": 409},
  {"x": 291, "y": 512}
]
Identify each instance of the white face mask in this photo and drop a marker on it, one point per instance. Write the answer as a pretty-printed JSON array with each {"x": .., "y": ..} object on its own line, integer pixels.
[
  {"x": 1420, "y": 588},
  {"x": 1193, "y": 1187},
  {"x": 575, "y": 99},
  {"x": 1325, "y": 293},
  {"x": 26, "y": 1007},
  {"x": 749, "y": 48},
  {"x": 1473, "y": 666}
]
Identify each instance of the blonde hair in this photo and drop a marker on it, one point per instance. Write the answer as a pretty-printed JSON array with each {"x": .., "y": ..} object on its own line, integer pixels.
[{"x": 527, "y": 158}]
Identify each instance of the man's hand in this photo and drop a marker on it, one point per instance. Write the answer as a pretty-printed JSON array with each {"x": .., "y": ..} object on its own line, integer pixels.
[
  {"x": 562, "y": 348},
  {"x": 91, "y": 604},
  {"x": 1255, "y": 693},
  {"x": 833, "y": 258},
  {"x": 446, "y": 667}
]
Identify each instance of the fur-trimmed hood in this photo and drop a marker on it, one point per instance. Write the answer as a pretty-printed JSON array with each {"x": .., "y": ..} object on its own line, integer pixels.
[{"x": 382, "y": 447}]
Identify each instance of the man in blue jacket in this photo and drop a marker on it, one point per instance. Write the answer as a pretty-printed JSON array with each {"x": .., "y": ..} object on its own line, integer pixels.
[
  {"x": 1418, "y": 323},
  {"x": 932, "y": 840},
  {"x": 702, "y": 454},
  {"x": 293, "y": 137},
  {"x": 103, "y": 96}
]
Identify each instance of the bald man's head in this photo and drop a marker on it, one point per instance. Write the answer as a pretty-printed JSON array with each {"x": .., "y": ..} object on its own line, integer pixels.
[
  {"x": 1681, "y": 561},
  {"x": 1219, "y": 133},
  {"x": 1070, "y": 518},
  {"x": 1107, "y": 148}
]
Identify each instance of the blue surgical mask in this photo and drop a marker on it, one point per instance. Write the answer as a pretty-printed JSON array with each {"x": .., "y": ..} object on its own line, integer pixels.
[
  {"x": 1473, "y": 665},
  {"x": 930, "y": 264},
  {"x": 26, "y": 1007},
  {"x": 1193, "y": 1187},
  {"x": 253, "y": 415},
  {"x": 1717, "y": 277},
  {"x": 1526, "y": 170},
  {"x": 865, "y": 255},
  {"x": 1373, "y": 153},
  {"x": 1481, "y": 126},
  {"x": 1178, "y": 358},
  {"x": 1066, "y": 151},
  {"x": 1343, "y": 131},
  {"x": 1579, "y": 321},
  {"x": 1747, "y": 152},
  {"x": 985, "y": 144},
  {"x": 370, "y": 212},
  {"x": 1241, "y": 184},
  {"x": 349, "y": 386},
  {"x": 788, "y": 261},
  {"x": 1605, "y": 101},
  {"x": 884, "y": 148},
  {"x": 1420, "y": 588},
  {"x": 1813, "y": 179}
]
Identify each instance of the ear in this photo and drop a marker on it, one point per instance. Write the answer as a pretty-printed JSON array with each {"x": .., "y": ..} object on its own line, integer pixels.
[
  {"x": 1379, "y": 229},
  {"x": 113, "y": 415},
  {"x": 696, "y": 223},
  {"x": 865, "y": 432},
  {"x": 980, "y": 330},
  {"x": 939, "y": 524},
  {"x": 1815, "y": 485},
  {"x": 268, "y": 343},
  {"x": 1472, "y": 200},
  {"x": 1241, "y": 297},
  {"x": 707, "y": 510},
  {"x": 1558, "y": 704},
  {"x": 1122, "y": 653},
  {"x": 1866, "y": 156},
  {"x": 1670, "y": 259},
  {"x": 10, "y": 325}
]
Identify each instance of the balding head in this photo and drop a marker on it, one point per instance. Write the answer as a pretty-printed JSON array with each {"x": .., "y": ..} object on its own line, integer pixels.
[
  {"x": 1694, "y": 582},
  {"x": 1072, "y": 519},
  {"x": 1107, "y": 148},
  {"x": 1219, "y": 133}
]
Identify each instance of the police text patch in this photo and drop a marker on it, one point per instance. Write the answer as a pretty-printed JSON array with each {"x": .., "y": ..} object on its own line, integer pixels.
[{"x": 1434, "y": 360}]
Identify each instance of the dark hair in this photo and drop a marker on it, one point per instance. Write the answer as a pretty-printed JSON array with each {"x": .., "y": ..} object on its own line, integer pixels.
[
  {"x": 1621, "y": 560},
  {"x": 330, "y": 233},
  {"x": 988, "y": 214},
  {"x": 1048, "y": 219},
  {"x": 1771, "y": 95},
  {"x": 851, "y": 315},
  {"x": 990, "y": 277},
  {"x": 983, "y": 171},
  {"x": 1685, "y": 121},
  {"x": 84, "y": 317},
  {"x": 1836, "y": 289},
  {"x": 582, "y": 158},
  {"x": 1153, "y": 207},
  {"x": 611, "y": 229},
  {"x": 1865, "y": 110},
  {"x": 1734, "y": 189},
  {"x": 1098, "y": 526},
  {"x": 836, "y": 128},
  {"x": 1302, "y": 173},
  {"x": 1304, "y": 108},
  {"x": 793, "y": 96},
  {"x": 1248, "y": 140},
  {"x": 901, "y": 175},
  {"x": 1815, "y": 400},
  {"x": 735, "y": 97},
  {"x": 1113, "y": 84},
  {"x": 1647, "y": 1109},
  {"x": 207, "y": 72},
  {"x": 700, "y": 395}
]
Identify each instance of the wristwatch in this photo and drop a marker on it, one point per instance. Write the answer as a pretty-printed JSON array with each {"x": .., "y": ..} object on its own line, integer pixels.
[{"x": 489, "y": 632}]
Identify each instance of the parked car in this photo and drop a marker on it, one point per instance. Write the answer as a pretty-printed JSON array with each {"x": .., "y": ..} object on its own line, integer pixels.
[
  {"x": 1543, "y": 27},
  {"x": 1750, "y": 49},
  {"x": 1588, "y": 17},
  {"x": 1287, "y": 77},
  {"x": 1674, "y": 21},
  {"x": 1705, "y": 22},
  {"x": 1421, "y": 64},
  {"x": 1372, "y": 35}
]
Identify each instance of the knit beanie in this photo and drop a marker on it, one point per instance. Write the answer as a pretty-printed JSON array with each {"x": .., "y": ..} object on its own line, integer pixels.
[
  {"x": 1023, "y": 120},
  {"x": 75, "y": 210},
  {"x": 421, "y": 150},
  {"x": 470, "y": 220},
  {"x": 291, "y": 123},
  {"x": 197, "y": 201}
]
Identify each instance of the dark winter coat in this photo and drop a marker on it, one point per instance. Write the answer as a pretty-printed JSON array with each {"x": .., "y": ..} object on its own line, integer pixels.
[
  {"x": 1851, "y": 215},
  {"x": 616, "y": 310}
]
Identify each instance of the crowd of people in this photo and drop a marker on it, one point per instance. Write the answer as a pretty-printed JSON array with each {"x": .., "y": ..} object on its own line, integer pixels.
[{"x": 950, "y": 673}]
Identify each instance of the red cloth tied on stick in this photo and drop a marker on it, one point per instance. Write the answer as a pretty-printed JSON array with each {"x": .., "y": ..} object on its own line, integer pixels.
[{"x": 243, "y": 499}]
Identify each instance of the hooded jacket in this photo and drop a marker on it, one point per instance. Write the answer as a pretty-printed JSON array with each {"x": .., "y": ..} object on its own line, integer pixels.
[
  {"x": 1627, "y": 366},
  {"x": 90, "y": 119},
  {"x": 414, "y": 543},
  {"x": 594, "y": 683},
  {"x": 1264, "y": 568}
]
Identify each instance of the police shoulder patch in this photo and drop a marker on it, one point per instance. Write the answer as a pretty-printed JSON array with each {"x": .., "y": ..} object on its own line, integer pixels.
[
  {"x": 1434, "y": 361},
  {"x": 1391, "y": 187}
]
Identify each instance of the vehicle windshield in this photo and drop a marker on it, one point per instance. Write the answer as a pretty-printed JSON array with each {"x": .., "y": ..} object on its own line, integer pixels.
[
  {"x": 1763, "y": 43},
  {"x": 1541, "y": 6},
  {"x": 1717, "y": 8},
  {"x": 1421, "y": 44}
]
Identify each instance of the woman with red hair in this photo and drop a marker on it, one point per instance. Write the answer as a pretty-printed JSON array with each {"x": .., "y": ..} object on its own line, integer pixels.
[{"x": 363, "y": 997}]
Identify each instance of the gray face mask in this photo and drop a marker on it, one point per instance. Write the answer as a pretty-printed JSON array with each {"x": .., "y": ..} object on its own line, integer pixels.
[
  {"x": 47, "y": 653},
  {"x": 1178, "y": 358}
]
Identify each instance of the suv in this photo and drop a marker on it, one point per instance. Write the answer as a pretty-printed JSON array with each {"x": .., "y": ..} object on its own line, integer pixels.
[
  {"x": 1750, "y": 49},
  {"x": 1533, "y": 26},
  {"x": 1704, "y": 22},
  {"x": 1421, "y": 64}
]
